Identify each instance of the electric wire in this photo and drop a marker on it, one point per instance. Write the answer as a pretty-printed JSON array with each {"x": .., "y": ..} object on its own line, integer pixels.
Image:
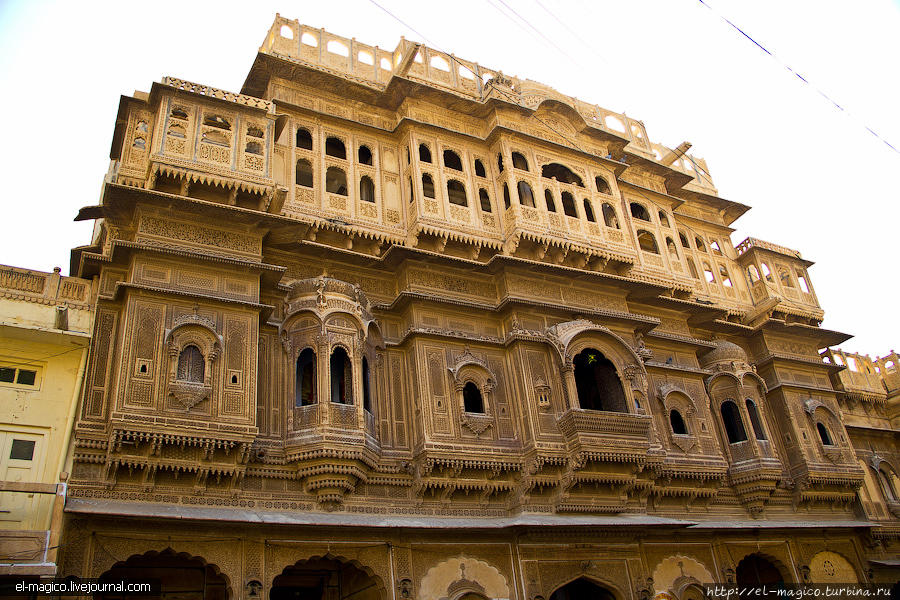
[{"x": 803, "y": 79}]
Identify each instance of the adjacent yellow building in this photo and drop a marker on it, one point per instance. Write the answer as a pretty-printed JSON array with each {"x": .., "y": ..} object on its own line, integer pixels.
[{"x": 45, "y": 324}]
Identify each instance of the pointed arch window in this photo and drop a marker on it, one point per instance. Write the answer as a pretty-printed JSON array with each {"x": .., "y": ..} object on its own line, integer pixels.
[
  {"x": 472, "y": 400},
  {"x": 424, "y": 153},
  {"x": 304, "y": 139},
  {"x": 452, "y": 161},
  {"x": 568, "y": 202},
  {"x": 734, "y": 424},
  {"x": 341, "y": 377},
  {"x": 366, "y": 189},
  {"x": 427, "y": 186},
  {"x": 335, "y": 147},
  {"x": 479, "y": 168},
  {"x": 304, "y": 175},
  {"x": 484, "y": 199},
  {"x": 824, "y": 435},
  {"x": 610, "y": 218},
  {"x": 548, "y": 198},
  {"x": 506, "y": 203},
  {"x": 305, "y": 381},
  {"x": 588, "y": 211},
  {"x": 364, "y": 155},
  {"x": 526, "y": 196},
  {"x": 456, "y": 193},
  {"x": 602, "y": 185},
  {"x": 677, "y": 423},
  {"x": 638, "y": 211},
  {"x": 336, "y": 181},
  {"x": 367, "y": 393},
  {"x": 519, "y": 161},
  {"x": 191, "y": 366},
  {"x": 755, "y": 421},
  {"x": 561, "y": 173},
  {"x": 647, "y": 241}
]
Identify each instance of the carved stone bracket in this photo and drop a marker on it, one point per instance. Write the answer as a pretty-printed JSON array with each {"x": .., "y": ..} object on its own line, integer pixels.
[
  {"x": 477, "y": 424},
  {"x": 189, "y": 394}
]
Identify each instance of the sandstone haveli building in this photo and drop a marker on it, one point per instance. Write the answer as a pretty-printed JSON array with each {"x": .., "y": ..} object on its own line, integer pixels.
[{"x": 392, "y": 324}]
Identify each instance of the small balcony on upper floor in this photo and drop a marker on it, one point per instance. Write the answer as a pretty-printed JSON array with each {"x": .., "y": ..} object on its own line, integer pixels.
[
  {"x": 194, "y": 140},
  {"x": 778, "y": 280}
]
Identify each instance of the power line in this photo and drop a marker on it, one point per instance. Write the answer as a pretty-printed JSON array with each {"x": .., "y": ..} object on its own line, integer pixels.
[{"x": 796, "y": 74}]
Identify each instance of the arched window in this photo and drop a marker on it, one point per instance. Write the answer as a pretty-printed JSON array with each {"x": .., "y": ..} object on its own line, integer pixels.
[
  {"x": 424, "y": 153},
  {"x": 335, "y": 147},
  {"x": 427, "y": 185},
  {"x": 734, "y": 424},
  {"x": 305, "y": 382},
  {"x": 714, "y": 246},
  {"x": 304, "y": 139},
  {"x": 755, "y": 421},
  {"x": 677, "y": 423},
  {"x": 597, "y": 382},
  {"x": 191, "y": 365},
  {"x": 767, "y": 273},
  {"x": 484, "y": 199},
  {"x": 506, "y": 195},
  {"x": 452, "y": 161},
  {"x": 472, "y": 400},
  {"x": 341, "y": 377},
  {"x": 824, "y": 436},
  {"x": 304, "y": 173},
  {"x": 602, "y": 185},
  {"x": 699, "y": 243},
  {"x": 519, "y": 161},
  {"x": 500, "y": 162},
  {"x": 548, "y": 198},
  {"x": 456, "y": 193},
  {"x": 684, "y": 241},
  {"x": 693, "y": 268},
  {"x": 610, "y": 218},
  {"x": 887, "y": 486},
  {"x": 364, "y": 155},
  {"x": 366, "y": 189},
  {"x": 568, "y": 202},
  {"x": 526, "y": 196},
  {"x": 561, "y": 173},
  {"x": 588, "y": 211},
  {"x": 723, "y": 275},
  {"x": 367, "y": 402},
  {"x": 639, "y": 212},
  {"x": 753, "y": 273},
  {"x": 708, "y": 273},
  {"x": 663, "y": 219},
  {"x": 479, "y": 169},
  {"x": 336, "y": 181},
  {"x": 673, "y": 249},
  {"x": 647, "y": 241}
]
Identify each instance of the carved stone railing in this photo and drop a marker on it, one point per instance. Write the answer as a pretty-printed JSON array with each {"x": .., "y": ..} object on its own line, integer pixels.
[
  {"x": 45, "y": 288},
  {"x": 343, "y": 416},
  {"x": 206, "y": 90},
  {"x": 750, "y": 242},
  {"x": 577, "y": 420}
]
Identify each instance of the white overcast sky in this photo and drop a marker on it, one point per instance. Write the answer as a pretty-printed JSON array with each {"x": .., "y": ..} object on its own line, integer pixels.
[{"x": 817, "y": 181}]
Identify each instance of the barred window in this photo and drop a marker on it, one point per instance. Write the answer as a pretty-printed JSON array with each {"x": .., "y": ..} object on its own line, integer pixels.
[{"x": 190, "y": 365}]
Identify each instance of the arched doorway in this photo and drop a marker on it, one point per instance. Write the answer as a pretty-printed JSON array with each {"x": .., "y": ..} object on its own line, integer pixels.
[
  {"x": 597, "y": 382},
  {"x": 582, "y": 589},
  {"x": 755, "y": 570},
  {"x": 325, "y": 579},
  {"x": 181, "y": 577}
]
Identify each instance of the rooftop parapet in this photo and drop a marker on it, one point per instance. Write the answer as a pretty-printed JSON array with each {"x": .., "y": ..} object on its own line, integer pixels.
[
  {"x": 860, "y": 380},
  {"x": 374, "y": 66},
  {"x": 66, "y": 300},
  {"x": 889, "y": 369}
]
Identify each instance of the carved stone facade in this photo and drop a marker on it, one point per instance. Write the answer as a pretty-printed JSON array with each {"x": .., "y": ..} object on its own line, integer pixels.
[{"x": 444, "y": 333}]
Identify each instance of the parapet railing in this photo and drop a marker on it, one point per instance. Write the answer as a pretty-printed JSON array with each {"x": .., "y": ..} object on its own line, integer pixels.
[{"x": 44, "y": 287}]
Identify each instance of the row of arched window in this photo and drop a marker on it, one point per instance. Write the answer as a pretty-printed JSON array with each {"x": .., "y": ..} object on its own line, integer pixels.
[
  {"x": 341, "y": 377},
  {"x": 335, "y": 181},
  {"x": 334, "y": 147}
]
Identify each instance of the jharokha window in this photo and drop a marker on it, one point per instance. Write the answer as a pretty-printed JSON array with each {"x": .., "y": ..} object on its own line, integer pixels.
[
  {"x": 598, "y": 383},
  {"x": 190, "y": 365},
  {"x": 341, "y": 377},
  {"x": 305, "y": 392}
]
